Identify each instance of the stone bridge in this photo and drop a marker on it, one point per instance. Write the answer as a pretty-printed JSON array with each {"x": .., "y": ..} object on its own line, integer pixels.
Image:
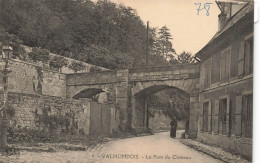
[{"x": 128, "y": 89}]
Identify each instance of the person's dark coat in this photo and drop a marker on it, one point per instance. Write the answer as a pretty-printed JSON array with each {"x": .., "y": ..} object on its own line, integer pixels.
[{"x": 173, "y": 128}]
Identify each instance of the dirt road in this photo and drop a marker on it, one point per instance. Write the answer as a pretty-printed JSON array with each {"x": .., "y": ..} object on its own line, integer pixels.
[{"x": 155, "y": 148}]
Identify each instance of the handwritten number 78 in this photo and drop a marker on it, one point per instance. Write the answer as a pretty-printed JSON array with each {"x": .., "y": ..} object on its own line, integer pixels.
[{"x": 206, "y": 7}]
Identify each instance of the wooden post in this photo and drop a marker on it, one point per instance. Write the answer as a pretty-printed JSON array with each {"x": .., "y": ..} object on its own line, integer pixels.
[{"x": 147, "y": 45}]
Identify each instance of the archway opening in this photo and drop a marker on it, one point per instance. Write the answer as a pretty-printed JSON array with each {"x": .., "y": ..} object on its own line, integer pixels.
[
  {"x": 94, "y": 94},
  {"x": 155, "y": 107}
]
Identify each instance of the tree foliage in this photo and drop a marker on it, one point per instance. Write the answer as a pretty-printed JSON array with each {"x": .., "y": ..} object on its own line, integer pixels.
[
  {"x": 39, "y": 54},
  {"x": 184, "y": 57},
  {"x": 101, "y": 33},
  {"x": 161, "y": 44},
  {"x": 14, "y": 42},
  {"x": 58, "y": 62},
  {"x": 77, "y": 66},
  {"x": 174, "y": 103}
]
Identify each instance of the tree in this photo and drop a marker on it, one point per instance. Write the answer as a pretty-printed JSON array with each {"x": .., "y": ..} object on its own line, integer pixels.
[
  {"x": 174, "y": 103},
  {"x": 58, "y": 62},
  {"x": 162, "y": 45},
  {"x": 184, "y": 57},
  {"x": 39, "y": 54},
  {"x": 77, "y": 66},
  {"x": 72, "y": 28},
  {"x": 14, "y": 42},
  {"x": 164, "y": 42}
]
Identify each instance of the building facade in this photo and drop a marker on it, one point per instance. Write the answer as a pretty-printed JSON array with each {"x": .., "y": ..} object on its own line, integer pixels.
[{"x": 226, "y": 82}]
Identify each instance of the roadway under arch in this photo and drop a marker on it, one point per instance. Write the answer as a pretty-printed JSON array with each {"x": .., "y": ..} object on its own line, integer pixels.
[{"x": 141, "y": 105}]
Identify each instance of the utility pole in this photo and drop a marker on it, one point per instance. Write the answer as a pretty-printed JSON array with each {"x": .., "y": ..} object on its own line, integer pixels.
[
  {"x": 147, "y": 45},
  {"x": 147, "y": 113}
]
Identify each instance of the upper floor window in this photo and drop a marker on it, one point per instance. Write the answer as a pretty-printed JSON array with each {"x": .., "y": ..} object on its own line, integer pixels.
[
  {"x": 225, "y": 64},
  {"x": 245, "y": 58},
  {"x": 207, "y": 73},
  {"x": 249, "y": 53}
]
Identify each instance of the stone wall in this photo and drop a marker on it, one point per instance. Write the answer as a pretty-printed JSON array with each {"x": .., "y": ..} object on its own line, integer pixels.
[
  {"x": 54, "y": 84},
  {"x": 50, "y": 113},
  {"x": 57, "y": 115},
  {"x": 21, "y": 78},
  {"x": 32, "y": 79},
  {"x": 67, "y": 70}
]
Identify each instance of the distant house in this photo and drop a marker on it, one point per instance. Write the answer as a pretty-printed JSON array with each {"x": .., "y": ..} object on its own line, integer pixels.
[{"x": 226, "y": 81}]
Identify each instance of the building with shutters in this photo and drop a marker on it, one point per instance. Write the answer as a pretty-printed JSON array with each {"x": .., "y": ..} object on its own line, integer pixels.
[{"x": 226, "y": 81}]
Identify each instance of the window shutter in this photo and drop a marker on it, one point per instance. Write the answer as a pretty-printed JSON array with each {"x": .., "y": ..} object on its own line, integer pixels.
[
  {"x": 238, "y": 115},
  {"x": 241, "y": 57},
  {"x": 244, "y": 115},
  {"x": 201, "y": 117},
  {"x": 202, "y": 75},
  {"x": 215, "y": 119},
  {"x": 209, "y": 118},
  {"x": 222, "y": 67},
  {"x": 228, "y": 117},
  {"x": 209, "y": 71},
  {"x": 227, "y": 66}
]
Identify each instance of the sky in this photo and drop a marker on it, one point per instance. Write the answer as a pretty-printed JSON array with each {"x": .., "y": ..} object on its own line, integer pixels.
[{"x": 190, "y": 31}]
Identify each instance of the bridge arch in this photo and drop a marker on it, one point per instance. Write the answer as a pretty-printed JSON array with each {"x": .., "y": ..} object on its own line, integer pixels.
[
  {"x": 187, "y": 85},
  {"x": 141, "y": 94},
  {"x": 88, "y": 93},
  {"x": 98, "y": 93},
  {"x": 124, "y": 85}
]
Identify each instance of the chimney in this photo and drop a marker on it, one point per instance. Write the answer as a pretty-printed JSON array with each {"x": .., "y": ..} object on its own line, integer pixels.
[{"x": 222, "y": 18}]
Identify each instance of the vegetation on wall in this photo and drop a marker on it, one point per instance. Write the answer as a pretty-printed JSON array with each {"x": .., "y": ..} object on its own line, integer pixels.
[
  {"x": 77, "y": 66},
  {"x": 39, "y": 54},
  {"x": 56, "y": 122},
  {"x": 95, "y": 69},
  {"x": 58, "y": 62},
  {"x": 10, "y": 111},
  {"x": 40, "y": 79}
]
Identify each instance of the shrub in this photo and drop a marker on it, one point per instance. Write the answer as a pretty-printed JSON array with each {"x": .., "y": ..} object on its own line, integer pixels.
[
  {"x": 95, "y": 69},
  {"x": 77, "y": 66},
  {"x": 16, "y": 135},
  {"x": 39, "y": 54},
  {"x": 58, "y": 62}
]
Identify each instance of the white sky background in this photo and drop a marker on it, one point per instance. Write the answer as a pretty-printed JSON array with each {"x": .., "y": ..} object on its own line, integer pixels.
[{"x": 190, "y": 31}]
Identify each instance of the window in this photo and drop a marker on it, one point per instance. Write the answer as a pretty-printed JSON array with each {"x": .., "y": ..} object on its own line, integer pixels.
[
  {"x": 225, "y": 64},
  {"x": 207, "y": 73},
  {"x": 205, "y": 116},
  {"x": 248, "y": 56},
  {"x": 247, "y": 115},
  {"x": 245, "y": 58},
  {"x": 224, "y": 119}
]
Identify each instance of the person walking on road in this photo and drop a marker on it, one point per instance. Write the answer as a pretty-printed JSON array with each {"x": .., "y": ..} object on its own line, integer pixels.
[{"x": 173, "y": 128}]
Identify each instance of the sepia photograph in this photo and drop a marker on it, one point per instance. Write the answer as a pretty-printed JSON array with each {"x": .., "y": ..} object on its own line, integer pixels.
[{"x": 126, "y": 81}]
